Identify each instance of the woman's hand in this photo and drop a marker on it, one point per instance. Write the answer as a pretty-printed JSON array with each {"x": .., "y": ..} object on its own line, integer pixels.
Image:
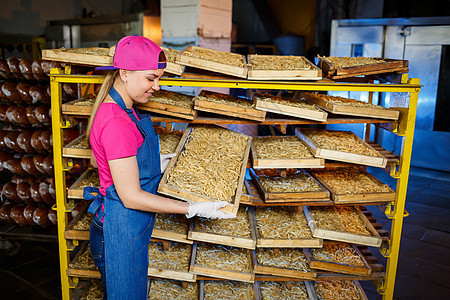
[
  {"x": 209, "y": 210},
  {"x": 165, "y": 159}
]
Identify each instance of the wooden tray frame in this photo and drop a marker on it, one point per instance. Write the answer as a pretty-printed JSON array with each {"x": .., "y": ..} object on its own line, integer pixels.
[
  {"x": 165, "y": 189},
  {"x": 287, "y": 110},
  {"x": 70, "y": 108},
  {"x": 173, "y": 68},
  {"x": 247, "y": 198},
  {"x": 312, "y": 74},
  {"x": 358, "y": 285},
  {"x": 69, "y": 151},
  {"x": 227, "y": 240},
  {"x": 211, "y": 65},
  {"x": 74, "y": 192},
  {"x": 358, "y": 198},
  {"x": 169, "y": 109},
  {"x": 361, "y": 159},
  {"x": 85, "y": 273},
  {"x": 219, "y": 273},
  {"x": 77, "y": 234},
  {"x": 172, "y": 274},
  {"x": 374, "y": 240},
  {"x": 255, "y": 289},
  {"x": 227, "y": 110},
  {"x": 291, "y": 196},
  {"x": 337, "y": 108},
  {"x": 285, "y": 243},
  {"x": 285, "y": 163},
  {"x": 338, "y": 267},
  {"x": 308, "y": 284},
  {"x": 390, "y": 65},
  {"x": 283, "y": 272},
  {"x": 171, "y": 236},
  {"x": 79, "y": 58}
]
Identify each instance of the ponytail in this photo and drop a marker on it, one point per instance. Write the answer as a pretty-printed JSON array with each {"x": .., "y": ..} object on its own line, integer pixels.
[{"x": 104, "y": 90}]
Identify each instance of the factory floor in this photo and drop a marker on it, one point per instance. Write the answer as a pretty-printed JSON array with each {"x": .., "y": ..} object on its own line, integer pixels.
[{"x": 423, "y": 269}]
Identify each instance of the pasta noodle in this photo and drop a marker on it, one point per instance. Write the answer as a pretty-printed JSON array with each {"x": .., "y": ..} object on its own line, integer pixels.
[
  {"x": 288, "y": 258},
  {"x": 286, "y": 101},
  {"x": 168, "y": 142},
  {"x": 172, "y": 98},
  {"x": 223, "y": 257},
  {"x": 230, "y": 290},
  {"x": 338, "y": 253},
  {"x": 176, "y": 258},
  {"x": 299, "y": 182},
  {"x": 273, "y": 290},
  {"x": 239, "y": 226},
  {"x": 281, "y": 223},
  {"x": 84, "y": 223},
  {"x": 85, "y": 261},
  {"x": 337, "y": 290},
  {"x": 277, "y": 62},
  {"x": 345, "y": 62},
  {"x": 223, "y": 57},
  {"x": 171, "y": 222},
  {"x": 163, "y": 289},
  {"x": 95, "y": 291},
  {"x": 280, "y": 147}
]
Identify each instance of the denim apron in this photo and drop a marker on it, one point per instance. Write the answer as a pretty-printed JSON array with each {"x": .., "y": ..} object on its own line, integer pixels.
[{"x": 119, "y": 245}]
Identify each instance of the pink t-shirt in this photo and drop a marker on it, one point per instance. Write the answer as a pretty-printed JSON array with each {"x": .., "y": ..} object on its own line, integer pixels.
[{"x": 113, "y": 135}]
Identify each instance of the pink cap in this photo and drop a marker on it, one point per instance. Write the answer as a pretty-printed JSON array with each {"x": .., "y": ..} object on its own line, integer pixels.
[{"x": 136, "y": 53}]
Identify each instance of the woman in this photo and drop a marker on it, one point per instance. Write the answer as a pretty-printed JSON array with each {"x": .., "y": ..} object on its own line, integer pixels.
[{"x": 126, "y": 150}]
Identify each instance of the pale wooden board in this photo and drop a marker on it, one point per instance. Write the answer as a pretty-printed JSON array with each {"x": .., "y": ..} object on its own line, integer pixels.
[
  {"x": 171, "y": 236},
  {"x": 228, "y": 240},
  {"x": 358, "y": 198},
  {"x": 288, "y": 110},
  {"x": 70, "y": 108},
  {"x": 374, "y": 240},
  {"x": 374, "y": 161},
  {"x": 278, "y": 271},
  {"x": 78, "y": 58},
  {"x": 338, "y": 267},
  {"x": 69, "y": 151},
  {"x": 169, "y": 109},
  {"x": 312, "y": 74},
  {"x": 284, "y": 163},
  {"x": 219, "y": 273},
  {"x": 171, "y": 274},
  {"x": 165, "y": 189},
  {"x": 211, "y": 65},
  {"x": 75, "y": 192},
  {"x": 290, "y": 196},
  {"x": 337, "y": 108},
  {"x": 77, "y": 234},
  {"x": 85, "y": 273}
]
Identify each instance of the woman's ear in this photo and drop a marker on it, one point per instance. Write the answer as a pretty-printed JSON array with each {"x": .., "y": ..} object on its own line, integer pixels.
[{"x": 123, "y": 75}]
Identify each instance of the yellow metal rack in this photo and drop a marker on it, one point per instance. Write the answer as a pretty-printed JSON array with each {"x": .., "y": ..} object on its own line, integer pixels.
[{"x": 395, "y": 210}]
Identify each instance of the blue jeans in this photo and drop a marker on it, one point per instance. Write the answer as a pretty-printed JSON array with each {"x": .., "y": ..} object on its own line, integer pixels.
[{"x": 98, "y": 250}]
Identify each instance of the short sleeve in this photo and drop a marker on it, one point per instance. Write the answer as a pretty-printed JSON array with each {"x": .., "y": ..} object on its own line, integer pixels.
[{"x": 120, "y": 139}]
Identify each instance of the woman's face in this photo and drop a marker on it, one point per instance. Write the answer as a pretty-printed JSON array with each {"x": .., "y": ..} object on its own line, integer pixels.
[{"x": 140, "y": 85}]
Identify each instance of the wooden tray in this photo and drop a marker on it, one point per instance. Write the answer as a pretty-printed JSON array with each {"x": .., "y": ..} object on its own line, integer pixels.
[
  {"x": 284, "y": 163},
  {"x": 70, "y": 151},
  {"x": 220, "y": 273},
  {"x": 338, "y": 267},
  {"x": 80, "y": 272},
  {"x": 358, "y": 286},
  {"x": 94, "y": 56},
  {"x": 183, "y": 275},
  {"x": 341, "y": 109},
  {"x": 71, "y": 108},
  {"x": 177, "y": 290},
  {"x": 209, "y": 65},
  {"x": 296, "y": 197},
  {"x": 288, "y": 285},
  {"x": 172, "y": 67},
  {"x": 314, "y": 73},
  {"x": 255, "y": 289},
  {"x": 279, "y": 271},
  {"x": 227, "y": 109},
  {"x": 228, "y": 240},
  {"x": 171, "y": 235},
  {"x": 76, "y": 191},
  {"x": 375, "y": 161},
  {"x": 285, "y": 243},
  {"x": 390, "y": 65},
  {"x": 247, "y": 195},
  {"x": 178, "y": 193},
  {"x": 283, "y": 108},
  {"x": 77, "y": 234},
  {"x": 357, "y": 198},
  {"x": 374, "y": 240},
  {"x": 169, "y": 109}
]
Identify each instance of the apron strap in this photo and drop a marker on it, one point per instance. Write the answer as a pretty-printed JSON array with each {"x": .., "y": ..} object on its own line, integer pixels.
[
  {"x": 118, "y": 99},
  {"x": 88, "y": 194}
]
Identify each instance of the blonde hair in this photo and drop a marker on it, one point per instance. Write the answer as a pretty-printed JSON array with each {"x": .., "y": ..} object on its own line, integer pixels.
[{"x": 104, "y": 90}]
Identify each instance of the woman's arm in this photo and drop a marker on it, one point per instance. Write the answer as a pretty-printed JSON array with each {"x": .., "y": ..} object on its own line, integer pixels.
[
  {"x": 93, "y": 160},
  {"x": 125, "y": 175}
]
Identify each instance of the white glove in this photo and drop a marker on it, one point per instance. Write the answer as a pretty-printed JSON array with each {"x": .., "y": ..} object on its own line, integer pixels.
[
  {"x": 209, "y": 210},
  {"x": 165, "y": 159}
]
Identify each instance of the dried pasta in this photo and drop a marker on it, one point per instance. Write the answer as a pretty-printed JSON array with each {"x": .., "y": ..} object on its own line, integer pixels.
[
  {"x": 87, "y": 102},
  {"x": 340, "y": 253},
  {"x": 80, "y": 144},
  {"x": 225, "y": 99},
  {"x": 232, "y": 290},
  {"x": 163, "y": 289},
  {"x": 171, "y": 222},
  {"x": 278, "y": 62},
  {"x": 337, "y": 290},
  {"x": 239, "y": 226},
  {"x": 344, "y": 101},
  {"x": 345, "y": 62},
  {"x": 280, "y": 147},
  {"x": 273, "y": 290},
  {"x": 350, "y": 181},
  {"x": 281, "y": 223},
  {"x": 170, "y": 54},
  {"x": 223, "y": 257},
  {"x": 288, "y": 258},
  {"x": 176, "y": 258},
  {"x": 210, "y": 163},
  {"x": 339, "y": 218},
  {"x": 91, "y": 179},
  {"x": 172, "y": 98},
  {"x": 299, "y": 103},
  {"x": 222, "y": 57},
  {"x": 84, "y": 223},
  {"x": 168, "y": 142},
  {"x": 95, "y": 291},
  {"x": 85, "y": 261},
  {"x": 299, "y": 182}
]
